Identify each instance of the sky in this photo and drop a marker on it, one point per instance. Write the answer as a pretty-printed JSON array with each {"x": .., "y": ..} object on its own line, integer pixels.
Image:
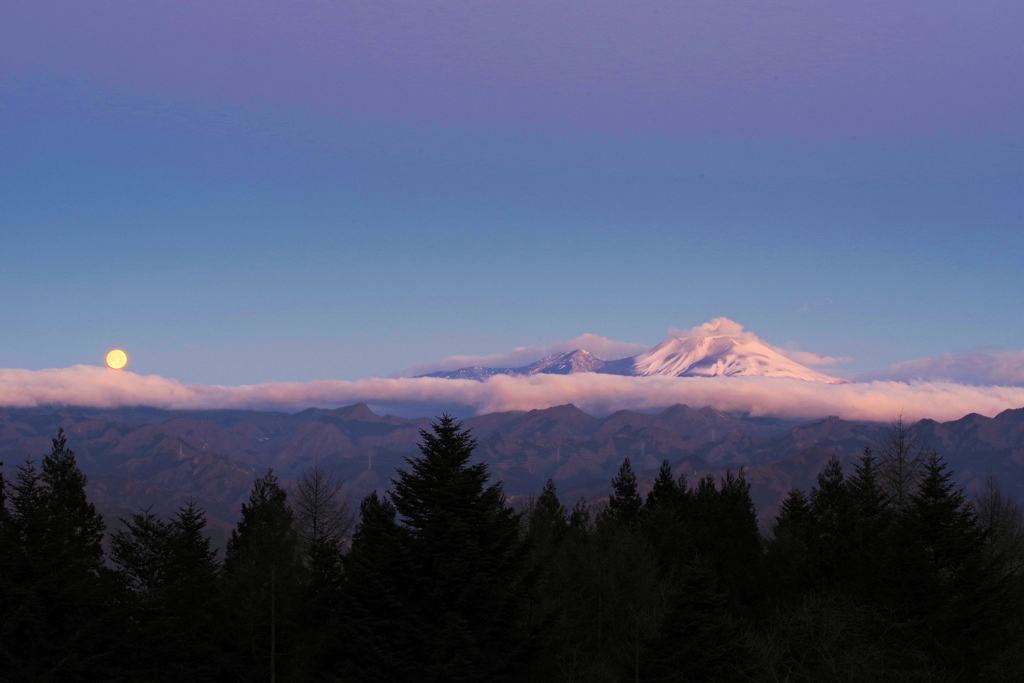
[{"x": 242, "y": 193}]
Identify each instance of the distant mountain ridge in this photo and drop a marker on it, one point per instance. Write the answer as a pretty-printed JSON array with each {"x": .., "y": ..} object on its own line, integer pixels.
[
  {"x": 568, "y": 363},
  {"x": 692, "y": 356},
  {"x": 137, "y": 458}
]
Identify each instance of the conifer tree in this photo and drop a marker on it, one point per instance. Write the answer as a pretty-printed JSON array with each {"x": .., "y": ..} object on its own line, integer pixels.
[
  {"x": 579, "y": 518},
  {"x": 576, "y": 636},
  {"x": 547, "y": 591},
  {"x": 872, "y": 519},
  {"x": 7, "y": 534},
  {"x": 547, "y": 526},
  {"x": 549, "y": 520},
  {"x": 956, "y": 597},
  {"x": 261, "y": 575},
  {"x": 55, "y": 621},
  {"x": 5, "y": 515},
  {"x": 171, "y": 577},
  {"x": 831, "y": 515},
  {"x": 663, "y": 518},
  {"x": 786, "y": 552},
  {"x": 67, "y": 511},
  {"x": 944, "y": 521},
  {"x": 465, "y": 591},
  {"x": 739, "y": 550},
  {"x": 140, "y": 552},
  {"x": 624, "y": 503},
  {"x": 1002, "y": 519},
  {"x": 701, "y": 640},
  {"x": 9, "y": 548},
  {"x": 635, "y": 597},
  {"x": 665, "y": 491},
  {"x": 794, "y": 515},
  {"x": 383, "y": 634},
  {"x": 703, "y": 520},
  {"x": 192, "y": 593}
]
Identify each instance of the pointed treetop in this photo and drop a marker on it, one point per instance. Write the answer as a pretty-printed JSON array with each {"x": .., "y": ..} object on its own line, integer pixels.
[
  {"x": 794, "y": 514},
  {"x": 865, "y": 486},
  {"x": 441, "y": 481},
  {"x": 549, "y": 506},
  {"x": 665, "y": 490},
  {"x": 67, "y": 510},
  {"x": 579, "y": 520},
  {"x": 624, "y": 503}
]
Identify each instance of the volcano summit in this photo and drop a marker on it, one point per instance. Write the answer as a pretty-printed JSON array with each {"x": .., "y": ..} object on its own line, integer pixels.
[{"x": 720, "y": 348}]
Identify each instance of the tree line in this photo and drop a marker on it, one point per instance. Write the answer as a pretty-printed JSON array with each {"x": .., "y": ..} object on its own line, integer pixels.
[{"x": 884, "y": 572}]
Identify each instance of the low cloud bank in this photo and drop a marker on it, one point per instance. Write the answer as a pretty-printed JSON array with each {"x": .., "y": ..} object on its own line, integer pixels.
[
  {"x": 1002, "y": 366},
  {"x": 98, "y": 387}
]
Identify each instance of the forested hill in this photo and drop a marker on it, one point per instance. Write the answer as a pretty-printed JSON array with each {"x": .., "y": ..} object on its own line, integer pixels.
[
  {"x": 880, "y": 571},
  {"x": 143, "y": 457}
]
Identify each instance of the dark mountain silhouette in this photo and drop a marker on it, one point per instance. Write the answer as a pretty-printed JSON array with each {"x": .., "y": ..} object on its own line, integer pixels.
[{"x": 143, "y": 457}]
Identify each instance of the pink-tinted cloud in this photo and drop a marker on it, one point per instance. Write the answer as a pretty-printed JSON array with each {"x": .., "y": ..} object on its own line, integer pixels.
[
  {"x": 1004, "y": 367},
  {"x": 602, "y": 347},
  {"x": 724, "y": 327},
  {"x": 717, "y": 327},
  {"x": 876, "y": 401}
]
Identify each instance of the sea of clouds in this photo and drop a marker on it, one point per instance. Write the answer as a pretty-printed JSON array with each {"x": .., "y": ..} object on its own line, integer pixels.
[
  {"x": 944, "y": 388},
  {"x": 877, "y": 400}
]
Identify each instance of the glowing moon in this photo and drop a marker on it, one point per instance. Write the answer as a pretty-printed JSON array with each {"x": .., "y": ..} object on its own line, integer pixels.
[{"x": 116, "y": 359}]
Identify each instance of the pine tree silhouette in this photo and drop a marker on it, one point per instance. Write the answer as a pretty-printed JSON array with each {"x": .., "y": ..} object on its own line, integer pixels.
[
  {"x": 459, "y": 564},
  {"x": 55, "y": 620}
]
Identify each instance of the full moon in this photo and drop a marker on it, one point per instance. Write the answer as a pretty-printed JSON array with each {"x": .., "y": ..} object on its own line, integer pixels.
[{"x": 116, "y": 359}]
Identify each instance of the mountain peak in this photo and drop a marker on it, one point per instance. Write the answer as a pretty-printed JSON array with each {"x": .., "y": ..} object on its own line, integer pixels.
[
  {"x": 577, "y": 360},
  {"x": 359, "y": 412},
  {"x": 725, "y": 355},
  {"x": 720, "y": 348}
]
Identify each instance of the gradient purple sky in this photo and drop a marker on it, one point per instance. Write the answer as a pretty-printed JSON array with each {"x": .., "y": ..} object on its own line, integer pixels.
[{"x": 241, "y": 192}]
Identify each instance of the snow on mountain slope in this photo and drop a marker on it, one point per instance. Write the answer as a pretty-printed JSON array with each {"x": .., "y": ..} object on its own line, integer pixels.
[
  {"x": 713, "y": 356},
  {"x": 720, "y": 348},
  {"x": 578, "y": 360},
  {"x": 566, "y": 363},
  {"x": 475, "y": 372}
]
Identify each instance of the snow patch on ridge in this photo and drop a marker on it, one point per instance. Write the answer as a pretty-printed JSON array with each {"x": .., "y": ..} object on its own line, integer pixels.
[
  {"x": 722, "y": 356},
  {"x": 720, "y": 348}
]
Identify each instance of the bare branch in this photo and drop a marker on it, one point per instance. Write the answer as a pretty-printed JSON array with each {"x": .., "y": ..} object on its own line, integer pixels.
[{"x": 322, "y": 510}]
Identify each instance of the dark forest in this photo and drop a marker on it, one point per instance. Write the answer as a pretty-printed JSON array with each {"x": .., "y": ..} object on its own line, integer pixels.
[{"x": 883, "y": 572}]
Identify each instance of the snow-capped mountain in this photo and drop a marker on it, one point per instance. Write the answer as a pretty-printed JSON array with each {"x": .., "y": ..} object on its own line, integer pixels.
[
  {"x": 565, "y": 364},
  {"x": 570, "y": 362},
  {"x": 726, "y": 356},
  {"x": 696, "y": 355}
]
